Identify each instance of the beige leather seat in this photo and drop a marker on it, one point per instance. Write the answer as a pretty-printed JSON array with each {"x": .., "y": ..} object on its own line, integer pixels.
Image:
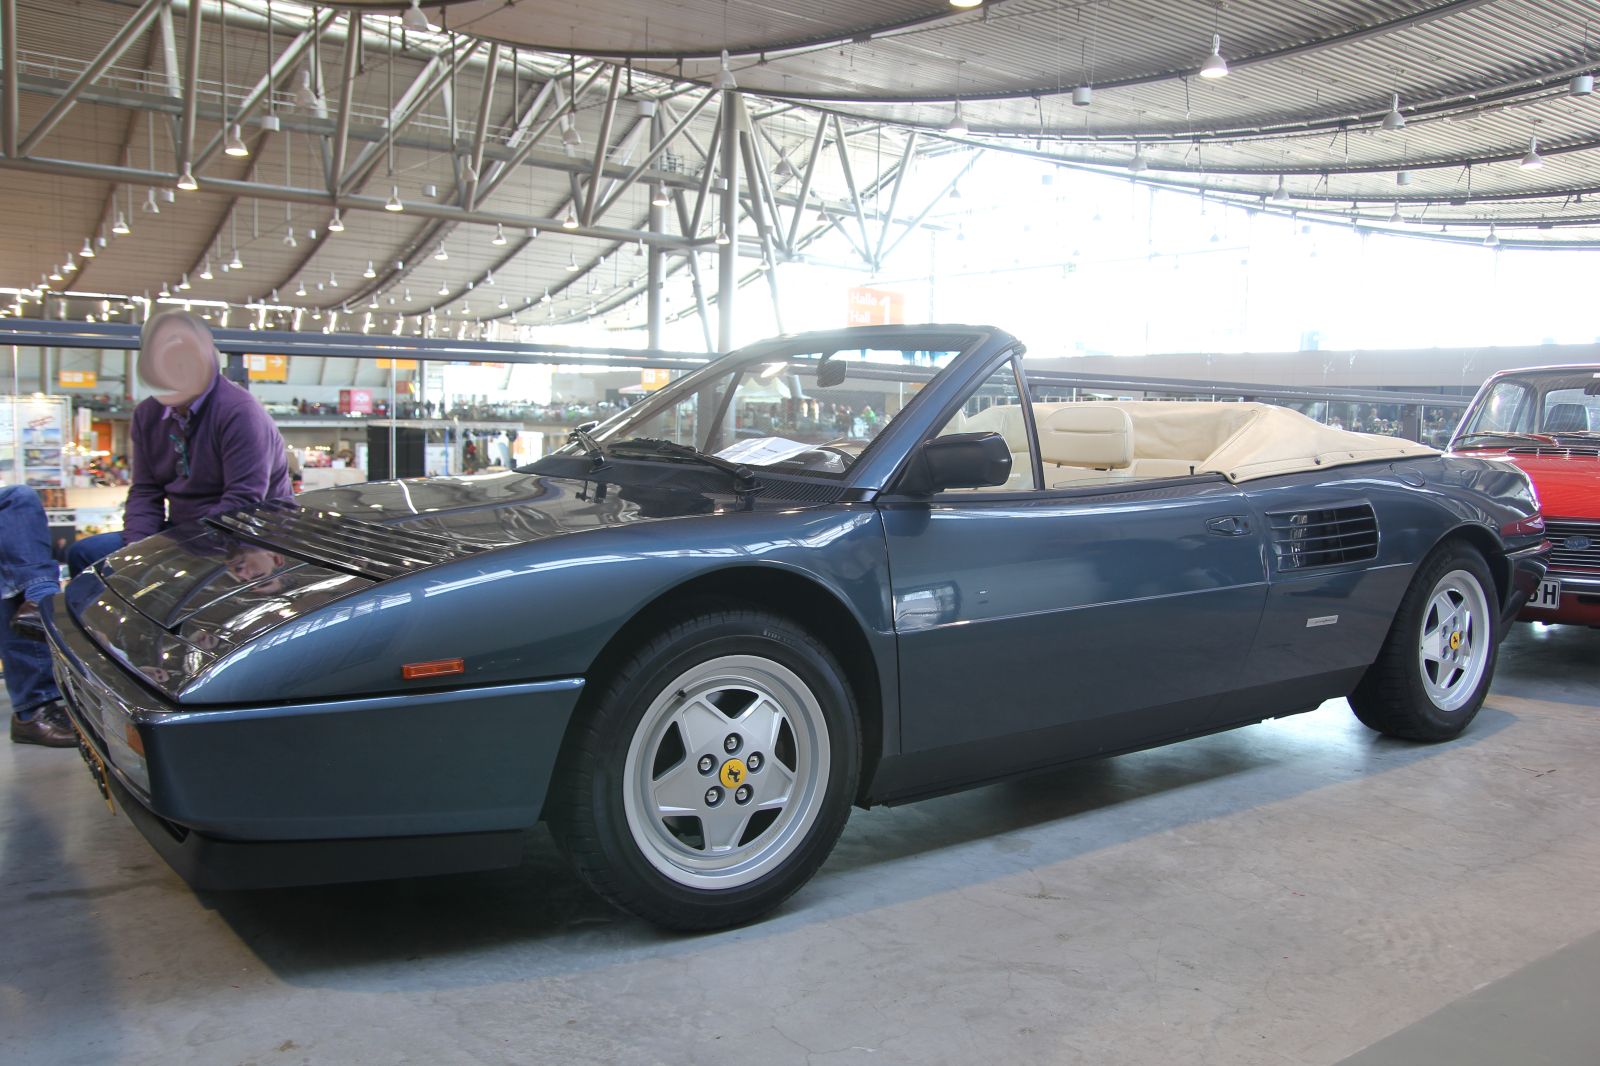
[{"x": 1096, "y": 440}]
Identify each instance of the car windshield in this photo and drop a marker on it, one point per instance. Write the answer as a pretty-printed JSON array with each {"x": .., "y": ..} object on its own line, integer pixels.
[
  {"x": 808, "y": 413},
  {"x": 1563, "y": 401}
]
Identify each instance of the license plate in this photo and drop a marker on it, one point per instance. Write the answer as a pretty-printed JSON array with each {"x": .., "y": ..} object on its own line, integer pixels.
[
  {"x": 97, "y": 769},
  {"x": 1548, "y": 596}
]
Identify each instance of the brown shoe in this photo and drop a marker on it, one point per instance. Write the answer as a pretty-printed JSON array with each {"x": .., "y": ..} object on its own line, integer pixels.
[
  {"x": 26, "y": 622},
  {"x": 48, "y": 728}
]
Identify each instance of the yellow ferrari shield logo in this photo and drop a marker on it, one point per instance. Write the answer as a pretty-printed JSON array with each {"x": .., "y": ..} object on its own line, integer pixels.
[
  {"x": 732, "y": 773},
  {"x": 1455, "y": 641}
]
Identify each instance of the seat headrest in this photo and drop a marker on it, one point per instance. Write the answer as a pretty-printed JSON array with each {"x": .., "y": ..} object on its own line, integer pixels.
[
  {"x": 1086, "y": 434},
  {"x": 1566, "y": 418}
]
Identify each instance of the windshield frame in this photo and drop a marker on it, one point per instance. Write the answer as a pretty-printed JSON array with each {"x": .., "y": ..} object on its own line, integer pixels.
[
  {"x": 965, "y": 341},
  {"x": 1511, "y": 437}
]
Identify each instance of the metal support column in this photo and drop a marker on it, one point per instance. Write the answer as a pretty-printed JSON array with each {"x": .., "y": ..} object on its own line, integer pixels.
[
  {"x": 727, "y": 254},
  {"x": 654, "y": 276},
  {"x": 8, "y": 55},
  {"x": 191, "y": 86}
]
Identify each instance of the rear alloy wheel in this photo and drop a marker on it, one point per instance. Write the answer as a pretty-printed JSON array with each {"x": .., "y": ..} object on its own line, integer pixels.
[
  {"x": 1434, "y": 671},
  {"x": 711, "y": 777}
]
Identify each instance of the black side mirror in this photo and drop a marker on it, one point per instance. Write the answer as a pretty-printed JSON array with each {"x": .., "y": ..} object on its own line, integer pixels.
[{"x": 959, "y": 461}]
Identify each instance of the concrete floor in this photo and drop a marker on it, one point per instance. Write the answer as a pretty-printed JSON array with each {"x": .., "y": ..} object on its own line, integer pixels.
[{"x": 1294, "y": 892}]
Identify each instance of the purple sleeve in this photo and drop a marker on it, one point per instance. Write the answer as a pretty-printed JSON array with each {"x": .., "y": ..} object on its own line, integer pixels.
[
  {"x": 248, "y": 443},
  {"x": 145, "y": 509}
]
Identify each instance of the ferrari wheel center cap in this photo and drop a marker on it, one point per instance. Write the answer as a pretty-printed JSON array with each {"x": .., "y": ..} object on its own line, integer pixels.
[
  {"x": 733, "y": 773},
  {"x": 1455, "y": 641}
]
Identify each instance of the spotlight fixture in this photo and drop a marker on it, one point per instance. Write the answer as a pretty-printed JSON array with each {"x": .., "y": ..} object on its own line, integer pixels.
[
  {"x": 1280, "y": 194},
  {"x": 394, "y": 203},
  {"x": 572, "y": 263},
  {"x": 414, "y": 19},
  {"x": 184, "y": 286},
  {"x": 369, "y": 272},
  {"x": 55, "y": 275},
  {"x": 337, "y": 225},
  {"x": 1394, "y": 120},
  {"x": 659, "y": 197},
  {"x": 150, "y": 204},
  {"x": 1533, "y": 160},
  {"x": 288, "y": 238},
  {"x": 444, "y": 290},
  {"x": 1491, "y": 241},
  {"x": 571, "y": 221},
  {"x": 333, "y": 282},
  {"x": 120, "y": 226},
  {"x": 546, "y": 298},
  {"x": 1083, "y": 96},
  {"x": 1137, "y": 164},
  {"x": 205, "y": 271},
  {"x": 301, "y": 291},
  {"x": 88, "y": 249},
  {"x": 499, "y": 234},
  {"x": 722, "y": 237},
  {"x": 304, "y": 95},
  {"x": 957, "y": 126},
  {"x": 237, "y": 263},
  {"x": 186, "y": 181},
  {"x": 724, "y": 76},
  {"x": 965, "y": 3},
  {"x": 441, "y": 254},
  {"x": 235, "y": 144},
  {"x": 1215, "y": 66},
  {"x": 569, "y": 133},
  {"x": 1582, "y": 85},
  {"x": 502, "y": 304},
  {"x": 70, "y": 265}
]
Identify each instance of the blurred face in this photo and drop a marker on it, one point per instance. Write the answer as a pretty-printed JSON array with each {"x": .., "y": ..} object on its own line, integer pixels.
[
  {"x": 253, "y": 564},
  {"x": 178, "y": 361}
]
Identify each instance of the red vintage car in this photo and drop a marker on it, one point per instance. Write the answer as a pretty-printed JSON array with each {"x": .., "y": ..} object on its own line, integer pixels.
[{"x": 1546, "y": 420}]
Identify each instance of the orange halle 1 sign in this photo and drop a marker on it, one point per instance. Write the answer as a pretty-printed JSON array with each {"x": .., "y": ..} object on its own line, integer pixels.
[{"x": 873, "y": 307}]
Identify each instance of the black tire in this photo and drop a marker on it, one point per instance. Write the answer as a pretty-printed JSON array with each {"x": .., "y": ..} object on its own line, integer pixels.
[
  {"x": 629, "y": 858},
  {"x": 1401, "y": 695}
]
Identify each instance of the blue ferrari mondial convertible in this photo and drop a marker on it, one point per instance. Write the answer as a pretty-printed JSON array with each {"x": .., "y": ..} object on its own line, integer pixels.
[{"x": 856, "y": 567}]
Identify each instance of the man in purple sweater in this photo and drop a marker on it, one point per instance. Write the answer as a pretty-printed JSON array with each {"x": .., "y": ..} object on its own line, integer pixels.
[{"x": 201, "y": 446}]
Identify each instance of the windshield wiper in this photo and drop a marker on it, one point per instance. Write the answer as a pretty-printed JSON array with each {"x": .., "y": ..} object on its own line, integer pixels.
[
  {"x": 1506, "y": 433},
  {"x": 745, "y": 484}
]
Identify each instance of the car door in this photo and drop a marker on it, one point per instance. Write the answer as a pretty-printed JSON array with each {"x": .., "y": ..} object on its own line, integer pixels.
[{"x": 1089, "y": 617}]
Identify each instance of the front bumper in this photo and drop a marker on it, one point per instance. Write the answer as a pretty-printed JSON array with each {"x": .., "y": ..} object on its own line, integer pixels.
[
  {"x": 338, "y": 773},
  {"x": 1527, "y": 568}
]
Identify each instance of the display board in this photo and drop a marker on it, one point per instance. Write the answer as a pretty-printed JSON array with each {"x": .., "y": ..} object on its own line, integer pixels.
[{"x": 33, "y": 440}]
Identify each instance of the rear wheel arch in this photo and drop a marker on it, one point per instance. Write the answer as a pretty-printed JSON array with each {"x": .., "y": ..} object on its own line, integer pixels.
[{"x": 783, "y": 592}]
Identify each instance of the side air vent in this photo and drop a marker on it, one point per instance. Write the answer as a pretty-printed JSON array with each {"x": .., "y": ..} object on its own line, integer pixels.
[
  {"x": 341, "y": 542},
  {"x": 1328, "y": 537}
]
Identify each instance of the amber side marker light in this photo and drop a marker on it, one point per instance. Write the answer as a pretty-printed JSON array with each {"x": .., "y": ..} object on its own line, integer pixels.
[{"x": 437, "y": 668}]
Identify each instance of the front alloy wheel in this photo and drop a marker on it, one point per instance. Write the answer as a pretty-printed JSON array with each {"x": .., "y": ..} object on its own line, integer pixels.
[{"x": 708, "y": 773}]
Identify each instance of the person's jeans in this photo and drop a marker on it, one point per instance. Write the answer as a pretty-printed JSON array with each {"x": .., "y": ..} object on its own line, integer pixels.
[
  {"x": 25, "y": 562},
  {"x": 30, "y": 681},
  {"x": 90, "y": 550}
]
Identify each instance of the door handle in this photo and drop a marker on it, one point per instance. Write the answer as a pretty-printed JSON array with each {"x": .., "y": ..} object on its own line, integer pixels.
[{"x": 1230, "y": 526}]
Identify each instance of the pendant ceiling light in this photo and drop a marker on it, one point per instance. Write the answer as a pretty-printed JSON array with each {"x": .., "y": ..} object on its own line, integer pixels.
[
  {"x": 236, "y": 264},
  {"x": 150, "y": 204},
  {"x": 184, "y": 286},
  {"x": 785, "y": 169},
  {"x": 1491, "y": 241},
  {"x": 569, "y": 133},
  {"x": 957, "y": 126},
  {"x": 205, "y": 271},
  {"x": 1137, "y": 164},
  {"x": 120, "y": 226},
  {"x": 1394, "y": 120},
  {"x": 369, "y": 272},
  {"x": 444, "y": 290},
  {"x": 337, "y": 225},
  {"x": 414, "y": 19},
  {"x": 546, "y": 298},
  {"x": 502, "y": 304},
  {"x": 55, "y": 275},
  {"x": 1402, "y": 177},
  {"x": 235, "y": 144},
  {"x": 393, "y": 203},
  {"x": 70, "y": 265},
  {"x": 441, "y": 254},
  {"x": 333, "y": 282},
  {"x": 301, "y": 291},
  {"x": 499, "y": 234},
  {"x": 186, "y": 181},
  {"x": 571, "y": 221},
  {"x": 88, "y": 249},
  {"x": 1533, "y": 160},
  {"x": 659, "y": 197},
  {"x": 1582, "y": 85},
  {"x": 1215, "y": 66},
  {"x": 288, "y": 238},
  {"x": 1083, "y": 96},
  {"x": 1280, "y": 194},
  {"x": 304, "y": 95},
  {"x": 724, "y": 76},
  {"x": 572, "y": 263}
]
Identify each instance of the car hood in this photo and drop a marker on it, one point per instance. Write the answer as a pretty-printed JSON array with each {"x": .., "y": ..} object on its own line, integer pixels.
[
  {"x": 1569, "y": 485},
  {"x": 168, "y": 606}
]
